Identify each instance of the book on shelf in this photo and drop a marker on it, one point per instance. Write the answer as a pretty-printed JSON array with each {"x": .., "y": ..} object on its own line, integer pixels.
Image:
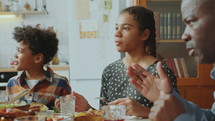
[
  {"x": 170, "y": 64},
  {"x": 184, "y": 67},
  {"x": 178, "y": 26},
  {"x": 174, "y": 67},
  {"x": 178, "y": 66},
  {"x": 174, "y": 29},
  {"x": 161, "y": 25},
  {"x": 168, "y": 25},
  {"x": 157, "y": 24},
  {"x": 182, "y": 28},
  {"x": 165, "y": 25}
]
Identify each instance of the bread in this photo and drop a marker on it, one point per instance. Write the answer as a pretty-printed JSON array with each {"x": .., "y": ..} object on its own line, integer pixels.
[
  {"x": 94, "y": 112},
  {"x": 90, "y": 115},
  {"x": 12, "y": 113},
  {"x": 23, "y": 107},
  {"x": 89, "y": 118},
  {"x": 33, "y": 104},
  {"x": 5, "y": 119},
  {"x": 80, "y": 114},
  {"x": 38, "y": 107}
]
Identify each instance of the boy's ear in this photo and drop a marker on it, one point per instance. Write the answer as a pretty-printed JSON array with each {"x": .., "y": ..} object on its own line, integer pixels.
[
  {"x": 145, "y": 34},
  {"x": 39, "y": 58}
]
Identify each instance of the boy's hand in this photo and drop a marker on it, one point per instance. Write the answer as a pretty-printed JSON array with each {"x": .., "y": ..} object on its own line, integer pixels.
[{"x": 57, "y": 105}]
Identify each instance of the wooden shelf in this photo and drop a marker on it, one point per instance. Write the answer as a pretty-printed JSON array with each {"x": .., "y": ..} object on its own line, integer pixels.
[
  {"x": 59, "y": 68},
  {"x": 54, "y": 67},
  {"x": 9, "y": 69},
  {"x": 163, "y": 0},
  {"x": 22, "y": 13},
  {"x": 33, "y": 12},
  {"x": 191, "y": 81},
  {"x": 199, "y": 85}
]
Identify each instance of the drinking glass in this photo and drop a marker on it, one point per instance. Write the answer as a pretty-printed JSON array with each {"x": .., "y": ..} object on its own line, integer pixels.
[
  {"x": 67, "y": 105},
  {"x": 30, "y": 118},
  {"x": 114, "y": 112},
  {"x": 3, "y": 96}
]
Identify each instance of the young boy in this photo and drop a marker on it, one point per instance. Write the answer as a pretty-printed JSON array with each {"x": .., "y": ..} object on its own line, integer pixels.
[{"x": 36, "y": 47}]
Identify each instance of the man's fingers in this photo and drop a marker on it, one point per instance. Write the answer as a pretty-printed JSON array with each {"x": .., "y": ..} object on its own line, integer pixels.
[
  {"x": 160, "y": 70},
  {"x": 135, "y": 76},
  {"x": 162, "y": 93},
  {"x": 153, "y": 113},
  {"x": 152, "y": 116},
  {"x": 117, "y": 102},
  {"x": 140, "y": 69},
  {"x": 136, "y": 83},
  {"x": 164, "y": 80},
  {"x": 130, "y": 71}
]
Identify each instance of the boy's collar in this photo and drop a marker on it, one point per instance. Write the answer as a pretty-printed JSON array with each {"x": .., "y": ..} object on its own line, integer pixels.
[{"x": 48, "y": 75}]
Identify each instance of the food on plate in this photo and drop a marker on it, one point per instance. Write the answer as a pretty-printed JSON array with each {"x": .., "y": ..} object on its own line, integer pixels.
[
  {"x": 90, "y": 115},
  {"x": 81, "y": 114},
  {"x": 89, "y": 112},
  {"x": 54, "y": 118},
  {"x": 10, "y": 105},
  {"x": 50, "y": 116},
  {"x": 16, "y": 110},
  {"x": 38, "y": 106},
  {"x": 5, "y": 119},
  {"x": 12, "y": 112},
  {"x": 89, "y": 118},
  {"x": 21, "y": 105},
  {"x": 94, "y": 112},
  {"x": 56, "y": 110}
]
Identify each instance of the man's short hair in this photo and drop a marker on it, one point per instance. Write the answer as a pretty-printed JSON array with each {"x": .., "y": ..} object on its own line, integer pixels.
[{"x": 207, "y": 6}]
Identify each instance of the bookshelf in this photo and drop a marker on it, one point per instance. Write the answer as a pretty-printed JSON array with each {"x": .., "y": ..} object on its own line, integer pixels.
[{"x": 198, "y": 87}]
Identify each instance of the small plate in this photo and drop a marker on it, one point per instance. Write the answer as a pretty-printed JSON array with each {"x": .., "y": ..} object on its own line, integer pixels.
[
  {"x": 56, "y": 116},
  {"x": 23, "y": 107},
  {"x": 20, "y": 106}
]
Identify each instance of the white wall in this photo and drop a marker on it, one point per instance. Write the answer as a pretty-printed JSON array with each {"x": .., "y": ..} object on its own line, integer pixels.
[
  {"x": 60, "y": 16},
  {"x": 57, "y": 18},
  {"x": 88, "y": 57}
]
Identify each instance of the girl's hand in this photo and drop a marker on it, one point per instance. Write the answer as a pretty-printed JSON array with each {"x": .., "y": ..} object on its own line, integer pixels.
[
  {"x": 81, "y": 104},
  {"x": 132, "y": 107}
]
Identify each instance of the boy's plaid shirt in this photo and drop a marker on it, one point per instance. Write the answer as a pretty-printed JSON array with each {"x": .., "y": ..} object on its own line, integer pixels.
[{"x": 50, "y": 87}]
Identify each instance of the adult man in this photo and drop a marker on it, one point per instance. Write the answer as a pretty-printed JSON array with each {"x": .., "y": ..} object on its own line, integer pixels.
[{"x": 198, "y": 15}]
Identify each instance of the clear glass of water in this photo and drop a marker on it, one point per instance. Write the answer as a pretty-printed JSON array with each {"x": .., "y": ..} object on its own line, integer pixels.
[
  {"x": 67, "y": 105},
  {"x": 114, "y": 112},
  {"x": 3, "y": 96}
]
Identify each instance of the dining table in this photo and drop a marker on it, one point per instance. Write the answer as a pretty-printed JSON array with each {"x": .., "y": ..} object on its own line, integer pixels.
[
  {"x": 134, "y": 118},
  {"x": 126, "y": 118},
  {"x": 137, "y": 120}
]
